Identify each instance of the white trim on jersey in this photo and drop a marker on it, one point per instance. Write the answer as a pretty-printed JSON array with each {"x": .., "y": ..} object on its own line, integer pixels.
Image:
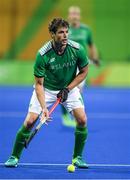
[
  {"x": 74, "y": 44},
  {"x": 44, "y": 49}
]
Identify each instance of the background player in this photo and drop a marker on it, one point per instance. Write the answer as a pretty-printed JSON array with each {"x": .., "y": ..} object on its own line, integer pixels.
[
  {"x": 55, "y": 76},
  {"x": 82, "y": 34}
]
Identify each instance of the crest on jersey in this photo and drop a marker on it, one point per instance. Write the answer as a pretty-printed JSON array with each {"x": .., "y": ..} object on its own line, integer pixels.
[{"x": 52, "y": 60}]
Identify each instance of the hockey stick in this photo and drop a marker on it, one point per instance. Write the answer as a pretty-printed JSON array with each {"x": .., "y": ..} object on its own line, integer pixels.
[{"x": 27, "y": 141}]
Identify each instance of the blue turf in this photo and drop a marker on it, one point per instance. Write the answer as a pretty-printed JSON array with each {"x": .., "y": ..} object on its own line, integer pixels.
[{"x": 108, "y": 141}]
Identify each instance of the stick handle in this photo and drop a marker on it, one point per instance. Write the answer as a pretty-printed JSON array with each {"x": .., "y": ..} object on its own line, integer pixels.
[
  {"x": 54, "y": 106},
  {"x": 27, "y": 141},
  {"x": 51, "y": 110}
]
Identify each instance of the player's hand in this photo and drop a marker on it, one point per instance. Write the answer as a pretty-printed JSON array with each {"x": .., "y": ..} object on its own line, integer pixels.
[
  {"x": 44, "y": 115},
  {"x": 96, "y": 62},
  {"x": 63, "y": 94}
]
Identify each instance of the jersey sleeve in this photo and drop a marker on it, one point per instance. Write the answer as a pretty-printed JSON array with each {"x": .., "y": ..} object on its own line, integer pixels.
[
  {"x": 39, "y": 66},
  {"x": 82, "y": 58},
  {"x": 89, "y": 39}
]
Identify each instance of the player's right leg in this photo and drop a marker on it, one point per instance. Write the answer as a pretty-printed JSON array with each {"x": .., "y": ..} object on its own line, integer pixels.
[{"x": 22, "y": 134}]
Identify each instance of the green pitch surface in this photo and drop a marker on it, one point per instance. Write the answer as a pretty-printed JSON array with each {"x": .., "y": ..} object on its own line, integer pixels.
[{"x": 21, "y": 73}]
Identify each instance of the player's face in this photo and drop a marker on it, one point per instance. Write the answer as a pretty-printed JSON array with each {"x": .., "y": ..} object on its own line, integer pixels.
[
  {"x": 61, "y": 36},
  {"x": 74, "y": 16}
]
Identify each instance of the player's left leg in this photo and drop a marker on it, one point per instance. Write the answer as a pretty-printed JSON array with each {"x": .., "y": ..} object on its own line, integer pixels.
[
  {"x": 81, "y": 133},
  {"x": 75, "y": 105}
]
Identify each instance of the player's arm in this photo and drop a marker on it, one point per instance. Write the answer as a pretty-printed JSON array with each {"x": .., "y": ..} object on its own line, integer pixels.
[
  {"x": 82, "y": 63},
  {"x": 63, "y": 94},
  {"x": 93, "y": 52},
  {"x": 39, "y": 73},
  {"x": 40, "y": 91},
  {"x": 82, "y": 66},
  {"x": 41, "y": 96},
  {"x": 79, "y": 78}
]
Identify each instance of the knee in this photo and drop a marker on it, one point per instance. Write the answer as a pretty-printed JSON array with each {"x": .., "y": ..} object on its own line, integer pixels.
[
  {"x": 30, "y": 121},
  {"x": 29, "y": 124},
  {"x": 82, "y": 120}
]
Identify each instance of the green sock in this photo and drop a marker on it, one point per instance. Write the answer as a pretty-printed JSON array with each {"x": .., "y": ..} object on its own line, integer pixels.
[
  {"x": 22, "y": 134},
  {"x": 64, "y": 111},
  {"x": 80, "y": 139}
]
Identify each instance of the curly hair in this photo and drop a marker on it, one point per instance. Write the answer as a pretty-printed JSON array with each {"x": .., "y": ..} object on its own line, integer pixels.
[{"x": 56, "y": 23}]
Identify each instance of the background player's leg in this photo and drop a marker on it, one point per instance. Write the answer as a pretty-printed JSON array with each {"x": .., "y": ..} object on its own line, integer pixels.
[
  {"x": 80, "y": 137},
  {"x": 67, "y": 120}
]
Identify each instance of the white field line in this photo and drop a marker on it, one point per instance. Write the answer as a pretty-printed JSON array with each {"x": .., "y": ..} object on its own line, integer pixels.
[
  {"x": 99, "y": 115},
  {"x": 65, "y": 164}
]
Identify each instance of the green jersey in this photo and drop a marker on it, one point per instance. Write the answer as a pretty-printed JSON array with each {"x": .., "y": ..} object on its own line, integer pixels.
[
  {"x": 82, "y": 35},
  {"x": 59, "y": 70}
]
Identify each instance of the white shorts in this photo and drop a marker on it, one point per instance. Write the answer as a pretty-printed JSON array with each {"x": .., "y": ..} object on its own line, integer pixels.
[{"x": 73, "y": 101}]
